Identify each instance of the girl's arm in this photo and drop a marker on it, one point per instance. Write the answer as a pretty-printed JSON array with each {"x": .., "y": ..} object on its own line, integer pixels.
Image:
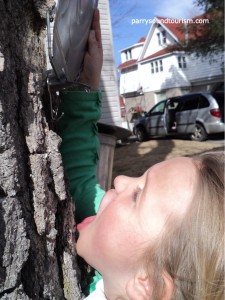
[{"x": 79, "y": 149}]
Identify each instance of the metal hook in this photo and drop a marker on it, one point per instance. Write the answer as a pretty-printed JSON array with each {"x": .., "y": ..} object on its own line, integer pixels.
[{"x": 54, "y": 114}]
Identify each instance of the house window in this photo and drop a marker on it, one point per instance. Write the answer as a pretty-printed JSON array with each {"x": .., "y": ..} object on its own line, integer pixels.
[
  {"x": 164, "y": 36},
  {"x": 182, "y": 64},
  {"x": 152, "y": 67},
  {"x": 128, "y": 54},
  {"x": 160, "y": 65},
  {"x": 161, "y": 37},
  {"x": 156, "y": 66}
]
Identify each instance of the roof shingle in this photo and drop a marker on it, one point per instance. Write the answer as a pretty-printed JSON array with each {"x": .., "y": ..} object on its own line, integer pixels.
[{"x": 127, "y": 64}]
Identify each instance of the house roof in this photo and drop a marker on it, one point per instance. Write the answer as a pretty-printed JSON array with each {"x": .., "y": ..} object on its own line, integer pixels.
[
  {"x": 178, "y": 29},
  {"x": 122, "y": 107},
  {"x": 157, "y": 54},
  {"x": 127, "y": 64},
  {"x": 142, "y": 40},
  {"x": 175, "y": 28},
  {"x": 122, "y": 104}
]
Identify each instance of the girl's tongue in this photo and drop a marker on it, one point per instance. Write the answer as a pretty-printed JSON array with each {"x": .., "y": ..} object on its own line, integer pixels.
[
  {"x": 106, "y": 200},
  {"x": 85, "y": 222}
]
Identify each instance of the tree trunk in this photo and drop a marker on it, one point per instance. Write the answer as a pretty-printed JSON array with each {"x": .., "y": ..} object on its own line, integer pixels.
[{"x": 37, "y": 253}]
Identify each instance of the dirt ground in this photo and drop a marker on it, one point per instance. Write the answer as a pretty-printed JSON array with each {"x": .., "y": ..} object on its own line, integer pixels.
[{"x": 133, "y": 158}]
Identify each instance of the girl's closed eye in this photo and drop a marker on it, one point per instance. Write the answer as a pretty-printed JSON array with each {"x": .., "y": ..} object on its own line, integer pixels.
[{"x": 136, "y": 193}]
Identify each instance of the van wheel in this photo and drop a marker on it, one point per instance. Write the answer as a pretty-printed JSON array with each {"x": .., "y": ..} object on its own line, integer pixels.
[
  {"x": 199, "y": 133},
  {"x": 141, "y": 134}
]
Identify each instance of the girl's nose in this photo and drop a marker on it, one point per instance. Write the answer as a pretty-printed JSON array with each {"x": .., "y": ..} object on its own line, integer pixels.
[{"x": 121, "y": 183}]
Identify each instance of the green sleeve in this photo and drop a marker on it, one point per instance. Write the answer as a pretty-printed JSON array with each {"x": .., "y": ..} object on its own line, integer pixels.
[{"x": 79, "y": 133}]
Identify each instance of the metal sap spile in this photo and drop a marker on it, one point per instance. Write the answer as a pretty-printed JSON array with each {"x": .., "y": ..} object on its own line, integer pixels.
[{"x": 71, "y": 29}]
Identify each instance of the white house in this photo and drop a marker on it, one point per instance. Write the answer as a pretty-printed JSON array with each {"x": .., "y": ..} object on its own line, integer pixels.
[{"x": 152, "y": 69}]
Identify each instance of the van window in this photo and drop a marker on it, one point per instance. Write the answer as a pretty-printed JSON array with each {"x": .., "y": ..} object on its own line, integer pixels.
[
  {"x": 203, "y": 102},
  {"x": 173, "y": 104},
  {"x": 158, "y": 109},
  {"x": 189, "y": 103},
  {"x": 220, "y": 100}
]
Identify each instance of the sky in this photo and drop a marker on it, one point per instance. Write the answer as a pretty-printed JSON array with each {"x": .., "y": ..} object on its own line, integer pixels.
[{"x": 126, "y": 12}]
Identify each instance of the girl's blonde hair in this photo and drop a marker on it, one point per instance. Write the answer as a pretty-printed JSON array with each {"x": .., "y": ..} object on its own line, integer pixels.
[{"x": 191, "y": 251}]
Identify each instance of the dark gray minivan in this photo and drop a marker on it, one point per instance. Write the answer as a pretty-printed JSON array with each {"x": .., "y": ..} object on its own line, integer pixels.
[{"x": 196, "y": 114}]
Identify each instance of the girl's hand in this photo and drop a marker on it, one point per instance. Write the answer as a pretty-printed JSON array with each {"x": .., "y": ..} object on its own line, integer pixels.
[{"x": 93, "y": 58}]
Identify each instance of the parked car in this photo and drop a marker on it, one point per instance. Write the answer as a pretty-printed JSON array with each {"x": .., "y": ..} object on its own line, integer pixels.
[{"x": 196, "y": 115}]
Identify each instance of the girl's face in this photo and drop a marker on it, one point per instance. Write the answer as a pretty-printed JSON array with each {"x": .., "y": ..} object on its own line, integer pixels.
[{"x": 132, "y": 215}]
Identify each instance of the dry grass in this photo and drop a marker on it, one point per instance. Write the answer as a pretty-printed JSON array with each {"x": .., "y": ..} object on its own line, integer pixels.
[{"x": 135, "y": 158}]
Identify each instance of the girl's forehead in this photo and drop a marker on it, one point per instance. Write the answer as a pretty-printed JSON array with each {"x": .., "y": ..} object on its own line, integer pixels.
[
  {"x": 174, "y": 176},
  {"x": 178, "y": 164}
]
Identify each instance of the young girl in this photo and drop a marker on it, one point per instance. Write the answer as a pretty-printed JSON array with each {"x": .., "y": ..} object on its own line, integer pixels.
[{"x": 159, "y": 236}]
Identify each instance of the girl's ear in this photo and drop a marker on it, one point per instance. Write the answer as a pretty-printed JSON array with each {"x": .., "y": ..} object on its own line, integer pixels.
[{"x": 139, "y": 288}]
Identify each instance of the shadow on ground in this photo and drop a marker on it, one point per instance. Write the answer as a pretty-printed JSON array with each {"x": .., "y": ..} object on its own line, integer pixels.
[{"x": 134, "y": 158}]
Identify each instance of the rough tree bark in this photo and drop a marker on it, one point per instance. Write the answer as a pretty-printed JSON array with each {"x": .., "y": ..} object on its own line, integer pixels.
[{"x": 37, "y": 255}]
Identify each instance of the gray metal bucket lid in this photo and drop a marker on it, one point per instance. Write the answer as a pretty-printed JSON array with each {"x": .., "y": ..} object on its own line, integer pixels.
[{"x": 117, "y": 131}]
